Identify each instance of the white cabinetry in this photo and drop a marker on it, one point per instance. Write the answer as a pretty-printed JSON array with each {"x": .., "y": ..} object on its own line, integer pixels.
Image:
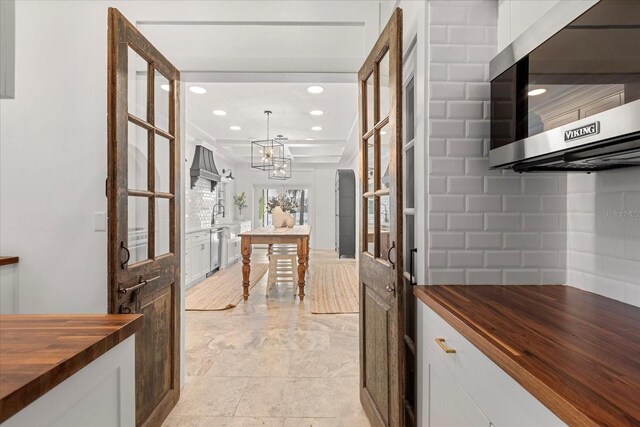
[
  {"x": 466, "y": 387},
  {"x": 9, "y": 289},
  {"x": 197, "y": 256}
]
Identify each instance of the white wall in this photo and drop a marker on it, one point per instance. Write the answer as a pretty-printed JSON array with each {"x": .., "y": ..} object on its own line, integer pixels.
[{"x": 7, "y": 48}]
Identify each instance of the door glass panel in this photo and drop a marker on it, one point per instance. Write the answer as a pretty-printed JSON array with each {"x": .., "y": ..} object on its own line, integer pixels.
[
  {"x": 410, "y": 111},
  {"x": 162, "y": 226},
  {"x": 370, "y": 165},
  {"x": 162, "y": 162},
  {"x": 385, "y": 226},
  {"x": 161, "y": 101},
  {"x": 137, "y": 85},
  {"x": 370, "y": 103},
  {"x": 370, "y": 225},
  {"x": 384, "y": 86},
  {"x": 409, "y": 178},
  {"x": 385, "y": 152},
  {"x": 138, "y": 228},
  {"x": 137, "y": 163}
]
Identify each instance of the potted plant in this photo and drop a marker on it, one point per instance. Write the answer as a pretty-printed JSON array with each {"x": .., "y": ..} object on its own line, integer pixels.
[{"x": 240, "y": 200}]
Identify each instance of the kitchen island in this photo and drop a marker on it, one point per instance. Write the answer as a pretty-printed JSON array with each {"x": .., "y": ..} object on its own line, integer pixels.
[
  {"x": 298, "y": 235},
  {"x": 575, "y": 352},
  {"x": 59, "y": 370}
]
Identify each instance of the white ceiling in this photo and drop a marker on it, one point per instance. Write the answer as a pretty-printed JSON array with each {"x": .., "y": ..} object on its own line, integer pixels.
[
  {"x": 258, "y": 55},
  {"x": 290, "y": 103}
]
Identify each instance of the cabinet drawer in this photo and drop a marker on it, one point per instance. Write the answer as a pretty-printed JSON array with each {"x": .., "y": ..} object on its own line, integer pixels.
[{"x": 500, "y": 397}]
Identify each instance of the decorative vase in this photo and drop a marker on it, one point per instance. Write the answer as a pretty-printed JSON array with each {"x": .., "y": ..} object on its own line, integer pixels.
[
  {"x": 278, "y": 217},
  {"x": 290, "y": 221}
]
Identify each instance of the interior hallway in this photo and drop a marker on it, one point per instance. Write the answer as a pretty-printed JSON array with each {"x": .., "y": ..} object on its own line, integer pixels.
[{"x": 270, "y": 362}]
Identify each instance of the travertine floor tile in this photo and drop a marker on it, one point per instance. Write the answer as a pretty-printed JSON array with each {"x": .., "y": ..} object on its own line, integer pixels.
[{"x": 270, "y": 362}]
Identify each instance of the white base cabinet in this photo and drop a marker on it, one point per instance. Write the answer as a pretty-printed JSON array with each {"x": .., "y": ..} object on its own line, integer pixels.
[
  {"x": 9, "y": 291},
  {"x": 197, "y": 256},
  {"x": 102, "y": 394},
  {"x": 466, "y": 388}
]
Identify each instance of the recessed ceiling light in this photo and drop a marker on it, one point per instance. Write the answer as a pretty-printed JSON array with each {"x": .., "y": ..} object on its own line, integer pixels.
[
  {"x": 316, "y": 112},
  {"x": 310, "y": 139},
  {"x": 316, "y": 128},
  {"x": 198, "y": 90},
  {"x": 219, "y": 113},
  {"x": 165, "y": 87},
  {"x": 235, "y": 128},
  {"x": 383, "y": 132},
  {"x": 315, "y": 89},
  {"x": 535, "y": 92}
]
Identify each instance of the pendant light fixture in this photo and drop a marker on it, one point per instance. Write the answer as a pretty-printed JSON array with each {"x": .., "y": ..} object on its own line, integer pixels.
[
  {"x": 282, "y": 169},
  {"x": 266, "y": 153}
]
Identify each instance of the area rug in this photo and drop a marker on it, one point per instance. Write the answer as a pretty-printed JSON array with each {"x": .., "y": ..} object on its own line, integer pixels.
[
  {"x": 223, "y": 290},
  {"x": 334, "y": 288}
]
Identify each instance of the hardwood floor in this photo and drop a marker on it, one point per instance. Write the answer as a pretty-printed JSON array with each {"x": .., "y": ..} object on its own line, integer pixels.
[{"x": 270, "y": 362}]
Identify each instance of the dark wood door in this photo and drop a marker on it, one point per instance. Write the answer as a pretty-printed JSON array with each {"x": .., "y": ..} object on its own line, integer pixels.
[
  {"x": 381, "y": 297},
  {"x": 143, "y": 191}
]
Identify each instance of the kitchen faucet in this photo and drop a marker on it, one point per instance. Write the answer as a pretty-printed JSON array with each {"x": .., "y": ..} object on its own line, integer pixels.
[{"x": 216, "y": 212}]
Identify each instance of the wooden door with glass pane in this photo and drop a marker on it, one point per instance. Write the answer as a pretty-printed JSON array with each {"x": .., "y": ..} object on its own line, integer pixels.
[
  {"x": 381, "y": 266},
  {"x": 143, "y": 193}
]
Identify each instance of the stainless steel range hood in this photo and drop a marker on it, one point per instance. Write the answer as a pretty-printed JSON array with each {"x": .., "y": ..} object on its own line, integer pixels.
[
  {"x": 568, "y": 98},
  {"x": 204, "y": 167}
]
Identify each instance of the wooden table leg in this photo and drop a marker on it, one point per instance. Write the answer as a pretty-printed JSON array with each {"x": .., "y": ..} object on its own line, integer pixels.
[
  {"x": 303, "y": 258},
  {"x": 245, "y": 245}
]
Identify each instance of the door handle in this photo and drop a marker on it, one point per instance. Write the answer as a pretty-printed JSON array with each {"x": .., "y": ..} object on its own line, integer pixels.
[
  {"x": 127, "y": 253},
  {"x": 140, "y": 284},
  {"x": 393, "y": 246}
]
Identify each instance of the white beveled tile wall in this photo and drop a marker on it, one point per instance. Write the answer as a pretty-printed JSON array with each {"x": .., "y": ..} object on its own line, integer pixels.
[
  {"x": 485, "y": 227},
  {"x": 603, "y": 233}
]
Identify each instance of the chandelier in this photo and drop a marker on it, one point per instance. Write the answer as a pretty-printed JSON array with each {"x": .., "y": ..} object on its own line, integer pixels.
[
  {"x": 266, "y": 153},
  {"x": 281, "y": 170}
]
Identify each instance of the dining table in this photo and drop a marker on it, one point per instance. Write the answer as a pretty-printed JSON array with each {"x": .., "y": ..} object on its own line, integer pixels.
[{"x": 298, "y": 234}]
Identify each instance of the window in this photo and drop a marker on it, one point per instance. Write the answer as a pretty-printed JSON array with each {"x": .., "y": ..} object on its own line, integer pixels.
[{"x": 295, "y": 201}]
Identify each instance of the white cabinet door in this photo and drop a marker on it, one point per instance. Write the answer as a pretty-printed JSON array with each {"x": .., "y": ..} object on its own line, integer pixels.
[
  {"x": 206, "y": 256},
  {"x": 196, "y": 259},
  {"x": 449, "y": 404}
]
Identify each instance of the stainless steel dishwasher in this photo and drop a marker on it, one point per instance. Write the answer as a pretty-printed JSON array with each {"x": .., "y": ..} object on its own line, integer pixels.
[{"x": 216, "y": 249}]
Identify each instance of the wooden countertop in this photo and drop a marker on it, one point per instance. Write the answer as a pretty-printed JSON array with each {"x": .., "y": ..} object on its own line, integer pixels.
[
  {"x": 38, "y": 352},
  {"x": 6, "y": 260},
  {"x": 577, "y": 352},
  {"x": 297, "y": 230}
]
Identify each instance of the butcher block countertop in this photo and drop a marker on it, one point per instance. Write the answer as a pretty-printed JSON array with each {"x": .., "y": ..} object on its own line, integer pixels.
[
  {"x": 7, "y": 260},
  {"x": 38, "y": 352},
  {"x": 577, "y": 352}
]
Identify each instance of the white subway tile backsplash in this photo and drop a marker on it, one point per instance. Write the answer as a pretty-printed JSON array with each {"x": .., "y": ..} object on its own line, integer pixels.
[
  {"x": 466, "y": 185},
  {"x": 446, "y": 90},
  {"x": 494, "y": 259},
  {"x": 466, "y": 34},
  {"x": 521, "y": 203},
  {"x": 448, "y": 53},
  {"x": 466, "y": 72},
  {"x": 461, "y": 222},
  {"x": 446, "y": 240},
  {"x": 447, "y": 128},
  {"x": 502, "y": 185},
  {"x": 484, "y": 203},
  {"x": 465, "y": 147},
  {"x": 484, "y": 240},
  {"x": 465, "y": 110},
  {"x": 446, "y": 166},
  {"x": 446, "y": 203},
  {"x": 465, "y": 259},
  {"x": 485, "y": 226},
  {"x": 524, "y": 240},
  {"x": 503, "y": 222},
  {"x": 521, "y": 277},
  {"x": 478, "y": 91},
  {"x": 484, "y": 276}
]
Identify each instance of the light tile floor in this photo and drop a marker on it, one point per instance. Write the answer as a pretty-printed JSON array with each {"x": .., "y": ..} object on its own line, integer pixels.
[{"x": 270, "y": 362}]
